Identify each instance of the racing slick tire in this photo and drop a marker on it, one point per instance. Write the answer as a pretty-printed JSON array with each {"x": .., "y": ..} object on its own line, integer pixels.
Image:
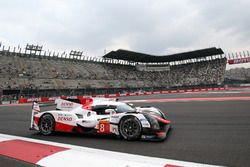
[
  {"x": 46, "y": 124},
  {"x": 130, "y": 128}
]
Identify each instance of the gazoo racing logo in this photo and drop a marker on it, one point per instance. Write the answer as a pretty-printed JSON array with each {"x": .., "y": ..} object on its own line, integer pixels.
[{"x": 67, "y": 104}]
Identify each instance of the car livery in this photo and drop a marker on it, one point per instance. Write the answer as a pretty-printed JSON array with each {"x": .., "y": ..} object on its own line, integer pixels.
[{"x": 101, "y": 116}]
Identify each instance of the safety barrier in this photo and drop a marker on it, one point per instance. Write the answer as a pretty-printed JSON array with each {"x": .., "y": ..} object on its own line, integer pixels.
[{"x": 48, "y": 99}]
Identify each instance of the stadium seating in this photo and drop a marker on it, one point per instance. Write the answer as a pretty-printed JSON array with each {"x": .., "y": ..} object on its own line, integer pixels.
[{"x": 27, "y": 72}]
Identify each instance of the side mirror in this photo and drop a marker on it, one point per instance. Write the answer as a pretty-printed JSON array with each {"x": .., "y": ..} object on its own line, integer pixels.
[{"x": 109, "y": 111}]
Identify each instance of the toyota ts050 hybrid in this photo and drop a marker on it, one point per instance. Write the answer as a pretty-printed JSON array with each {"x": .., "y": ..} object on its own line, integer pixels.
[{"x": 101, "y": 116}]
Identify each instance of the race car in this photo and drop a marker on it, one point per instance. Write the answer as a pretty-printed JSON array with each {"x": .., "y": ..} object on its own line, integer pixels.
[{"x": 101, "y": 116}]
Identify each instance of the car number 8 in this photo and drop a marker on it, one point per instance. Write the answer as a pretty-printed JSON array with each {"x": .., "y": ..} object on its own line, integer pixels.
[{"x": 102, "y": 128}]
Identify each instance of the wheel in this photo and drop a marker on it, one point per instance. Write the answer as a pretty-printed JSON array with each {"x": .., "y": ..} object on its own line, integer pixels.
[
  {"x": 130, "y": 128},
  {"x": 46, "y": 124}
]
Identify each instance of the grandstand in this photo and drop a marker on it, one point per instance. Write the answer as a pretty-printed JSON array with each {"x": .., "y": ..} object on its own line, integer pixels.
[{"x": 42, "y": 74}]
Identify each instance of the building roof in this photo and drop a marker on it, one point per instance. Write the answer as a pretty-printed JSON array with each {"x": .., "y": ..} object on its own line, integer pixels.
[{"x": 146, "y": 58}]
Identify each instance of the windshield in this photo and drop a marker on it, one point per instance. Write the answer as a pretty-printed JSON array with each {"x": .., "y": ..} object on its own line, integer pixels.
[{"x": 124, "y": 108}]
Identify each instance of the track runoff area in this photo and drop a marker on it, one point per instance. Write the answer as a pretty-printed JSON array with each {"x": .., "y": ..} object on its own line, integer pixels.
[{"x": 208, "y": 128}]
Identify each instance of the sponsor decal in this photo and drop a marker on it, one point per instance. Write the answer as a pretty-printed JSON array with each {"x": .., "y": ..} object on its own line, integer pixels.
[
  {"x": 34, "y": 99},
  {"x": 67, "y": 104},
  {"x": 62, "y": 118},
  {"x": 239, "y": 61},
  {"x": 114, "y": 130},
  {"x": 114, "y": 119},
  {"x": 147, "y": 137}
]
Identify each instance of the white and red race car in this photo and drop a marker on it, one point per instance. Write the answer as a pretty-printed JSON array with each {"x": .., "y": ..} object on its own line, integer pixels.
[{"x": 101, "y": 116}]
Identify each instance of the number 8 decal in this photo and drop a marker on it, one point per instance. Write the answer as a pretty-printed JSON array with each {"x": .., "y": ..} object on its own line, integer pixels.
[{"x": 102, "y": 128}]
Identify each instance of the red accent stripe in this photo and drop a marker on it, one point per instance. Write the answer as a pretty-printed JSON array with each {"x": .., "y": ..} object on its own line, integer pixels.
[
  {"x": 162, "y": 120},
  {"x": 62, "y": 127},
  {"x": 36, "y": 120},
  {"x": 36, "y": 110},
  {"x": 28, "y": 151}
]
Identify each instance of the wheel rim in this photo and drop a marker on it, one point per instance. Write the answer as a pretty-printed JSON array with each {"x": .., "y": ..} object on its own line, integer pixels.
[
  {"x": 46, "y": 125},
  {"x": 130, "y": 128}
]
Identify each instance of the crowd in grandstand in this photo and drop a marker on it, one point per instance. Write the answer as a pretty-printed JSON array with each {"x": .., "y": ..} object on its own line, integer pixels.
[
  {"x": 22, "y": 72},
  {"x": 240, "y": 74}
]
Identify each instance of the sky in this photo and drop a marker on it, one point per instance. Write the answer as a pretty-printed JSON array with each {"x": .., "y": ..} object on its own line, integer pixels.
[{"x": 158, "y": 27}]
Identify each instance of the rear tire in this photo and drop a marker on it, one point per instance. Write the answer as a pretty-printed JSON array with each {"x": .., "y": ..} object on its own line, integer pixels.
[
  {"x": 46, "y": 124},
  {"x": 130, "y": 128}
]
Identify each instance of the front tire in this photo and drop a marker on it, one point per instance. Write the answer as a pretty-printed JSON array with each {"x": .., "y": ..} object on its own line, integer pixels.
[
  {"x": 46, "y": 124},
  {"x": 130, "y": 128}
]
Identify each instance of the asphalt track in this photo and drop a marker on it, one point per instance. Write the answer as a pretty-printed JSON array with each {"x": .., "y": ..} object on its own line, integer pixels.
[{"x": 211, "y": 132}]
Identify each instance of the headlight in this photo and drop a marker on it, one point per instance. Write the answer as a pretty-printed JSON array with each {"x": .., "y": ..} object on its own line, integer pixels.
[{"x": 79, "y": 116}]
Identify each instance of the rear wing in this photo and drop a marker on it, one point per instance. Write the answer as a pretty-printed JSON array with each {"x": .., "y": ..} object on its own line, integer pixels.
[
  {"x": 36, "y": 108},
  {"x": 66, "y": 105},
  {"x": 85, "y": 102}
]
